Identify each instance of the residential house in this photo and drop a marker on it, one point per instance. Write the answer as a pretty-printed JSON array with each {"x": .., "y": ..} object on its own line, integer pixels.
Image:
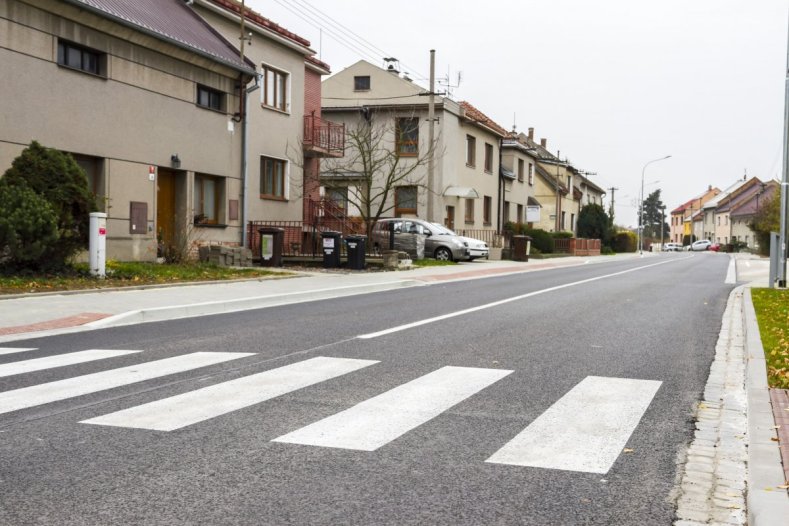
[
  {"x": 556, "y": 189},
  {"x": 465, "y": 186},
  {"x": 143, "y": 95},
  {"x": 681, "y": 223},
  {"x": 723, "y": 226},
  {"x": 518, "y": 169},
  {"x": 285, "y": 134},
  {"x": 715, "y": 227},
  {"x": 742, "y": 213}
]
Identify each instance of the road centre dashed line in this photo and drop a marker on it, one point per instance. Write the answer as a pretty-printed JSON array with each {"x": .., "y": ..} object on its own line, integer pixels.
[{"x": 507, "y": 300}]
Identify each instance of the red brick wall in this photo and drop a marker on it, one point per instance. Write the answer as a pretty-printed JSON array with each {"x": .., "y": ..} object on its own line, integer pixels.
[{"x": 312, "y": 92}]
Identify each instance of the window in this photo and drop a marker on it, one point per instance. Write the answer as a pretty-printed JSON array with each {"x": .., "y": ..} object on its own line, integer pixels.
[
  {"x": 531, "y": 174},
  {"x": 469, "y": 215},
  {"x": 405, "y": 200},
  {"x": 208, "y": 196},
  {"x": 719, "y": 220},
  {"x": 564, "y": 218},
  {"x": 506, "y": 212},
  {"x": 338, "y": 196},
  {"x": 210, "y": 98},
  {"x": 81, "y": 58},
  {"x": 519, "y": 219},
  {"x": 275, "y": 88},
  {"x": 488, "y": 158},
  {"x": 408, "y": 136},
  {"x": 520, "y": 170},
  {"x": 272, "y": 178},
  {"x": 471, "y": 150},
  {"x": 572, "y": 222},
  {"x": 94, "y": 170},
  {"x": 361, "y": 83},
  {"x": 487, "y": 204}
]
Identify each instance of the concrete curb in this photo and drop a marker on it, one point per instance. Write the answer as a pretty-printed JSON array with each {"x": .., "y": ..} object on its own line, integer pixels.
[
  {"x": 227, "y": 306},
  {"x": 767, "y": 505}
]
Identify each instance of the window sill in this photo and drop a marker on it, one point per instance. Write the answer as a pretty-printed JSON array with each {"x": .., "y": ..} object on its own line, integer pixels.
[
  {"x": 272, "y": 198},
  {"x": 489, "y": 172},
  {"x": 210, "y": 225},
  {"x": 220, "y": 111},
  {"x": 471, "y": 165},
  {"x": 275, "y": 109},
  {"x": 88, "y": 73},
  {"x": 469, "y": 222}
]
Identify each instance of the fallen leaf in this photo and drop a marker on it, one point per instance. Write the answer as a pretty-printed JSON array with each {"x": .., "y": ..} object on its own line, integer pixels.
[
  {"x": 783, "y": 486},
  {"x": 768, "y": 489},
  {"x": 774, "y": 439},
  {"x": 628, "y": 450}
]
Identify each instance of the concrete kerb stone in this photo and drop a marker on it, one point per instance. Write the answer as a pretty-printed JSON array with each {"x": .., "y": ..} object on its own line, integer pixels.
[{"x": 767, "y": 504}]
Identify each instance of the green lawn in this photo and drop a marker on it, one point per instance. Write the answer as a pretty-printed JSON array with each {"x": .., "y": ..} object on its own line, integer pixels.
[
  {"x": 772, "y": 311},
  {"x": 431, "y": 263},
  {"x": 124, "y": 275}
]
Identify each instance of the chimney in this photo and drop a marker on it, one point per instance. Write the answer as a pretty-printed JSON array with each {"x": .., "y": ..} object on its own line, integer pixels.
[
  {"x": 709, "y": 188},
  {"x": 531, "y": 134},
  {"x": 544, "y": 143}
]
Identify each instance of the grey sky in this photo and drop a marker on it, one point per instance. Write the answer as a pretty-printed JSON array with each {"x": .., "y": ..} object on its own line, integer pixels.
[{"x": 612, "y": 84}]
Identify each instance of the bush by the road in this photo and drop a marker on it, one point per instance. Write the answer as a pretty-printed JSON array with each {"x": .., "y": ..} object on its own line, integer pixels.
[{"x": 28, "y": 226}]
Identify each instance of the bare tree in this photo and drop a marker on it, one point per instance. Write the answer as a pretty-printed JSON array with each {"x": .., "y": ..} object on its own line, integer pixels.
[{"x": 382, "y": 152}]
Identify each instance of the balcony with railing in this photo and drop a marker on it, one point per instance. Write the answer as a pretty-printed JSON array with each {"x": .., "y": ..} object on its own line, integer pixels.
[{"x": 323, "y": 138}]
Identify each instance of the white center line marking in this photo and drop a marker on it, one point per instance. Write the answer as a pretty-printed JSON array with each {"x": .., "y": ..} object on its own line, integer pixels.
[
  {"x": 196, "y": 406},
  {"x": 92, "y": 383},
  {"x": 505, "y": 301},
  {"x": 12, "y": 350},
  {"x": 383, "y": 418},
  {"x": 59, "y": 360},
  {"x": 585, "y": 430}
]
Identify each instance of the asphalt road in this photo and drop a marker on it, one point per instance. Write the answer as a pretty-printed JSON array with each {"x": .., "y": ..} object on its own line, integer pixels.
[{"x": 576, "y": 362}]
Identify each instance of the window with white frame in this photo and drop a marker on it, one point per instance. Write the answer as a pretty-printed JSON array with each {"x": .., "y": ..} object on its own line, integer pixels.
[
  {"x": 275, "y": 88},
  {"x": 531, "y": 174}
]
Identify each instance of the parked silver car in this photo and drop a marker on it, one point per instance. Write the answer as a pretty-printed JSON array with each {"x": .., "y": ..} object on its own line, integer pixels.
[
  {"x": 439, "y": 242},
  {"x": 701, "y": 245}
]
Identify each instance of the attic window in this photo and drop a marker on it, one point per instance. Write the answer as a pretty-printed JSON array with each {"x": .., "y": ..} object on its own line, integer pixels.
[
  {"x": 81, "y": 58},
  {"x": 361, "y": 83}
]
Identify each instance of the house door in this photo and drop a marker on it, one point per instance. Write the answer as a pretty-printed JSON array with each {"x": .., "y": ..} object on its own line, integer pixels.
[
  {"x": 449, "y": 221},
  {"x": 165, "y": 207}
]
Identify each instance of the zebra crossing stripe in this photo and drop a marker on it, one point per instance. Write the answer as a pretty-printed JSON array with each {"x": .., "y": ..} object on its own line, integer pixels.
[
  {"x": 585, "y": 430},
  {"x": 12, "y": 350},
  {"x": 196, "y": 406},
  {"x": 59, "y": 360},
  {"x": 92, "y": 383},
  {"x": 383, "y": 418}
]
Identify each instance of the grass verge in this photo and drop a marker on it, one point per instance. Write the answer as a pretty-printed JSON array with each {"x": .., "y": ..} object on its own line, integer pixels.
[
  {"x": 772, "y": 313},
  {"x": 125, "y": 274},
  {"x": 432, "y": 263}
]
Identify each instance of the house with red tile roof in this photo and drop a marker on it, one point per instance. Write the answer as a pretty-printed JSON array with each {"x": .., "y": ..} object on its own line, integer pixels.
[
  {"x": 466, "y": 190},
  {"x": 681, "y": 216}
]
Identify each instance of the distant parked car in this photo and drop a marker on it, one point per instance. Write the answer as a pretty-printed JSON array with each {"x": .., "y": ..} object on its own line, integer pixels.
[
  {"x": 440, "y": 242},
  {"x": 715, "y": 247},
  {"x": 701, "y": 245},
  {"x": 672, "y": 247}
]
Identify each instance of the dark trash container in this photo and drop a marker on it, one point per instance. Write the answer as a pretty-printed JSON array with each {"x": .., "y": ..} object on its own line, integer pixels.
[
  {"x": 271, "y": 242},
  {"x": 330, "y": 241},
  {"x": 356, "y": 249},
  {"x": 521, "y": 248}
]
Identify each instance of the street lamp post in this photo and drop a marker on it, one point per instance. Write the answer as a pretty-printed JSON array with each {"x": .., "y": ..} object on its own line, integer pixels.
[{"x": 641, "y": 212}]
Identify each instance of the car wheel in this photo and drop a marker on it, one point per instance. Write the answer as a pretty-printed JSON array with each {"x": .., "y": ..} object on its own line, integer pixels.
[{"x": 443, "y": 254}]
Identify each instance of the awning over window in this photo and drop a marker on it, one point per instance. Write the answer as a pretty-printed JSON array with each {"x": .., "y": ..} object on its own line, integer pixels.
[
  {"x": 532, "y": 202},
  {"x": 461, "y": 191},
  {"x": 509, "y": 174}
]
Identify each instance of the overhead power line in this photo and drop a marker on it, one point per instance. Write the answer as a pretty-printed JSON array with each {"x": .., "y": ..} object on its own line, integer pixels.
[{"x": 340, "y": 33}]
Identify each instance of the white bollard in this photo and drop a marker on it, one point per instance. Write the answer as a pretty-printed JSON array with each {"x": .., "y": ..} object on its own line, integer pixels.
[{"x": 98, "y": 244}]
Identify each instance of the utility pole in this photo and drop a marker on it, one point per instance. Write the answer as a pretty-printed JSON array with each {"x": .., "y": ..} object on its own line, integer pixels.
[
  {"x": 431, "y": 130},
  {"x": 662, "y": 222},
  {"x": 611, "y": 208},
  {"x": 784, "y": 184}
]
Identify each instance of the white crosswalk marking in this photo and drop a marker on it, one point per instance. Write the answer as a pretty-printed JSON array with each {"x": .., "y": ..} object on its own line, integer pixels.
[
  {"x": 92, "y": 383},
  {"x": 196, "y": 406},
  {"x": 585, "y": 430},
  {"x": 59, "y": 360},
  {"x": 381, "y": 419},
  {"x": 12, "y": 350}
]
